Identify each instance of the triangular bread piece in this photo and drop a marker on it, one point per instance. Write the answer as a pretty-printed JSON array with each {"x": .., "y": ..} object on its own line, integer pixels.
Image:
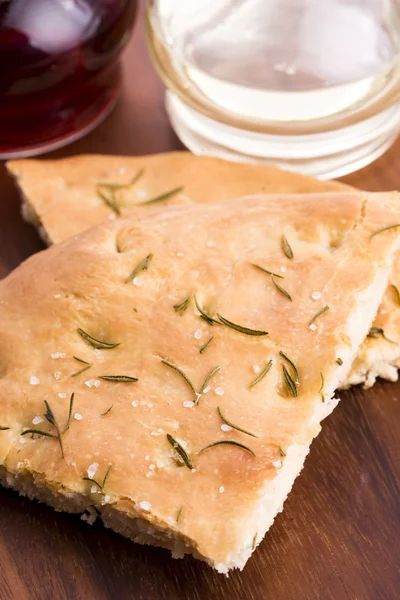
[
  {"x": 199, "y": 454},
  {"x": 62, "y": 198}
]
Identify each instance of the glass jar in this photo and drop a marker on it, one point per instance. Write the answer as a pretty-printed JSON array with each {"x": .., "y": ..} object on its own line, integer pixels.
[
  {"x": 59, "y": 72},
  {"x": 310, "y": 85}
]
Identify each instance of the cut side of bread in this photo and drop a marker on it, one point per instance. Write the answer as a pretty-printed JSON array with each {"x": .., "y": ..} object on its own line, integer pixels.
[
  {"x": 183, "y": 383},
  {"x": 62, "y": 198}
]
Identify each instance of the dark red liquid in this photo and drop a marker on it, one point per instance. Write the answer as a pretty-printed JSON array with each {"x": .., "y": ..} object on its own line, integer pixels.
[{"x": 58, "y": 68}]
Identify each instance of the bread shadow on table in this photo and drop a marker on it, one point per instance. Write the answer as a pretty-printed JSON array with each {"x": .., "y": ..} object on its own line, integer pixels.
[{"x": 322, "y": 546}]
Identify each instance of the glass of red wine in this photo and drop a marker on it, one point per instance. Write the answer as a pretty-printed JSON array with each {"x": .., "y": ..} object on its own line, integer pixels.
[{"x": 59, "y": 71}]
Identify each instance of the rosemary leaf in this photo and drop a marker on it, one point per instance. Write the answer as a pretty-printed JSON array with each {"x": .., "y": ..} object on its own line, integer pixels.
[
  {"x": 291, "y": 363},
  {"x": 240, "y": 328},
  {"x": 207, "y": 379},
  {"x": 281, "y": 452},
  {"x": 339, "y": 361},
  {"x": 321, "y": 389},
  {"x": 2, "y": 428},
  {"x": 234, "y": 426},
  {"x": 319, "y": 313},
  {"x": 143, "y": 265},
  {"x": 266, "y": 271},
  {"x": 100, "y": 345},
  {"x": 181, "y": 373},
  {"x": 162, "y": 197},
  {"x": 88, "y": 365},
  {"x": 71, "y": 407},
  {"x": 397, "y": 293},
  {"x": 121, "y": 186},
  {"x": 227, "y": 442},
  {"x": 81, "y": 371},
  {"x": 181, "y": 451},
  {"x": 290, "y": 383},
  {"x": 253, "y": 545},
  {"x": 286, "y": 247},
  {"x": 119, "y": 378},
  {"x": 204, "y": 348},
  {"x": 38, "y": 432},
  {"x": 107, "y": 411},
  {"x": 261, "y": 375},
  {"x": 178, "y": 516},
  {"x": 280, "y": 288},
  {"x": 182, "y": 306},
  {"x": 110, "y": 201},
  {"x": 382, "y": 230},
  {"x": 99, "y": 485},
  {"x": 374, "y": 332},
  {"x": 204, "y": 315}
]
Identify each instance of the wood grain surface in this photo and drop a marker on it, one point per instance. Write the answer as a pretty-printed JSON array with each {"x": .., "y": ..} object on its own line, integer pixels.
[{"x": 339, "y": 535}]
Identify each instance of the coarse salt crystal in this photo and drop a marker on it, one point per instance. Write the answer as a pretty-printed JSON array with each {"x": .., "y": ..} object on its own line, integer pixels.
[
  {"x": 149, "y": 474},
  {"x": 283, "y": 270},
  {"x": 111, "y": 216},
  {"x": 57, "y": 296},
  {"x": 207, "y": 389},
  {"x": 34, "y": 380},
  {"x": 144, "y": 505},
  {"x": 256, "y": 369},
  {"x": 92, "y": 470},
  {"x": 135, "y": 403},
  {"x": 22, "y": 440},
  {"x": 92, "y": 382},
  {"x": 157, "y": 432},
  {"x": 222, "y": 489},
  {"x": 316, "y": 295},
  {"x": 277, "y": 463},
  {"x": 93, "y": 489},
  {"x": 73, "y": 463},
  {"x": 188, "y": 404},
  {"x": 219, "y": 391},
  {"x": 313, "y": 327},
  {"x": 57, "y": 374},
  {"x": 180, "y": 254},
  {"x": 37, "y": 420},
  {"x": 152, "y": 467},
  {"x": 137, "y": 282},
  {"x": 106, "y": 499},
  {"x": 147, "y": 457},
  {"x": 118, "y": 437},
  {"x": 198, "y": 334},
  {"x": 58, "y": 355},
  {"x": 225, "y": 427},
  {"x": 62, "y": 395},
  {"x": 78, "y": 417},
  {"x": 122, "y": 170}
]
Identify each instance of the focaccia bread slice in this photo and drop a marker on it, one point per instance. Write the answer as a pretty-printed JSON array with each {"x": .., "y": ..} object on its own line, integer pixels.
[
  {"x": 62, "y": 198},
  {"x": 181, "y": 381}
]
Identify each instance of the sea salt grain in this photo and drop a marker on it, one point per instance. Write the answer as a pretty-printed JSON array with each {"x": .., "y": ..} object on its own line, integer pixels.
[
  {"x": 106, "y": 499},
  {"x": 188, "y": 404},
  {"x": 34, "y": 380},
  {"x": 93, "y": 489},
  {"x": 92, "y": 382},
  {"x": 61, "y": 395},
  {"x": 277, "y": 464},
  {"x": 58, "y": 355},
  {"x": 226, "y": 427},
  {"x": 207, "y": 389},
  {"x": 316, "y": 295},
  {"x": 92, "y": 470},
  {"x": 256, "y": 369},
  {"x": 78, "y": 417},
  {"x": 144, "y": 505},
  {"x": 221, "y": 489},
  {"x": 283, "y": 270},
  {"x": 180, "y": 254},
  {"x": 22, "y": 440},
  {"x": 57, "y": 374},
  {"x": 135, "y": 403},
  {"x": 37, "y": 420},
  {"x": 198, "y": 334},
  {"x": 313, "y": 327},
  {"x": 137, "y": 282},
  {"x": 157, "y": 432},
  {"x": 219, "y": 391}
]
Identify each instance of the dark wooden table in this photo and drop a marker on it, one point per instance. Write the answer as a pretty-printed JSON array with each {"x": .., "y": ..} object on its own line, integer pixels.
[{"x": 339, "y": 535}]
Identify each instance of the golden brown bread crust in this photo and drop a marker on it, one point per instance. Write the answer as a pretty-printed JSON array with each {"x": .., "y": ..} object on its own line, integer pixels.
[
  {"x": 61, "y": 200},
  {"x": 208, "y": 249}
]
